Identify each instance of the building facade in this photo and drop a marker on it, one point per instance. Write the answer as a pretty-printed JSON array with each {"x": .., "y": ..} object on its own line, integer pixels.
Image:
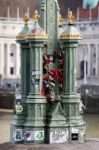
[
  {"x": 9, "y": 53},
  {"x": 88, "y": 52}
]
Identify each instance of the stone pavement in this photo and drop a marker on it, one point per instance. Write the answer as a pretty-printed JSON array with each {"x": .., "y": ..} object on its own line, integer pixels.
[
  {"x": 92, "y": 144},
  {"x": 5, "y": 118}
]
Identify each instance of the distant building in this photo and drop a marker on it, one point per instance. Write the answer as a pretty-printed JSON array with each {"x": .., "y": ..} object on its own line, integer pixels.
[
  {"x": 10, "y": 52},
  {"x": 87, "y": 55}
]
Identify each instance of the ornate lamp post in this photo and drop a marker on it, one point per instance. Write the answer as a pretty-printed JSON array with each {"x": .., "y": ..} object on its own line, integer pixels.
[
  {"x": 70, "y": 99},
  {"x": 36, "y": 102},
  {"x": 20, "y": 96},
  {"x": 35, "y": 120}
]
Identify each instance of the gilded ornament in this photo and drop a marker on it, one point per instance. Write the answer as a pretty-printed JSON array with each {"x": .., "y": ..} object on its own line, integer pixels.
[
  {"x": 37, "y": 36},
  {"x": 36, "y": 16},
  {"x": 26, "y": 19},
  {"x": 70, "y": 17}
]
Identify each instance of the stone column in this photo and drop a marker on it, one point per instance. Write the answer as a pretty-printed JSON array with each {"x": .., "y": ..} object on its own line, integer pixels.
[
  {"x": 2, "y": 58},
  {"x": 89, "y": 59},
  {"x": 18, "y": 64},
  {"x": 8, "y": 59},
  {"x": 1, "y": 64},
  {"x": 97, "y": 59}
]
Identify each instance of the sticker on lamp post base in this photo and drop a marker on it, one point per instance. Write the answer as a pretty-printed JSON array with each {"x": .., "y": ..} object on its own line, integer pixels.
[
  {"x": 74, "y": 134},
  {"x": 74, "y": 130},
  {"x": 18, "y": 96},
  {"x": 38, "y": 135},
  {"x": 29, "y": 135},
  {"x": 18, "y": 135},
  {"x": 58, "y": 136},
  {"x": 35, "y": 82},
  {"x": 18, "y": 108}
]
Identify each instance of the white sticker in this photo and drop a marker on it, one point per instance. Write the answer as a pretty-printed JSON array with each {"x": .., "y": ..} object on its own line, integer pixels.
[
  {"x": 58, "y": 136},
  {"x": 18, "y": 96},
  {"x": 36, "y": 73},
  {"x": 74, "y": 130}
]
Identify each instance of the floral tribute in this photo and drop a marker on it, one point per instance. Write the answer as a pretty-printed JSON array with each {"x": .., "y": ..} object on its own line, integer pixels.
[{"x": 52, "y": 74}]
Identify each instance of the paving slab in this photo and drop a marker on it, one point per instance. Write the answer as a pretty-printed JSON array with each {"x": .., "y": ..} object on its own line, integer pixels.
[{"x": 92, "y": 144}]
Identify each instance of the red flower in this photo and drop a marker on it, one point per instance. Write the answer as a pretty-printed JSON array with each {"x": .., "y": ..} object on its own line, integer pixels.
[
  {"x": 46, "y": 77},
  {"x": 60, "y": 62},
  {"x": 56, "y": 73},
  {"x": 43, "y": 91},
  {"x": 33, "y": 30},
  {"x": 48, "y": 61}
]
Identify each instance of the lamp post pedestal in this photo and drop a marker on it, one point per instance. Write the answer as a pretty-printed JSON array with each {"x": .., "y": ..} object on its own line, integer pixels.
[
  {"x": 36, "y": 118},
  {"x": 56, "y": 123}
]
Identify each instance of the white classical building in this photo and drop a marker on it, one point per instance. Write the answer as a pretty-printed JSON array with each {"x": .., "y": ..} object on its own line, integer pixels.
[
  {"x": 9, "y": 52},
  {"x": 87, "y": 55}
]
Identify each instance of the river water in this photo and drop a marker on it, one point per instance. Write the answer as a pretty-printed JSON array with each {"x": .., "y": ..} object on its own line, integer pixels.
[{"x": 92, "y": 126}]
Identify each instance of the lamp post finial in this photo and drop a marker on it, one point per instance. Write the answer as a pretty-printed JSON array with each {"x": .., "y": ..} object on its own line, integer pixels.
[
  {"x": 70, "y": 16},
  {"x": 36, "y": 16},
  {"x": 26, "y": 19}
]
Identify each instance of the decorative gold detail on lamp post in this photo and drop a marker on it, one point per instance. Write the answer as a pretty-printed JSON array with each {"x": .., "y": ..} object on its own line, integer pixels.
[
  {"x": 70, "y": 17},
  {"x": 26, "y": 19},
  {"x": 36, "y": 16}
]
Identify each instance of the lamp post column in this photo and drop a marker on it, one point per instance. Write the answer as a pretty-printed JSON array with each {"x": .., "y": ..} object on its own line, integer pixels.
[
  {"x": 70, "y": 99},
  {"x": 16, "y": 131},
  {"x": 36, "y": 102}
]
